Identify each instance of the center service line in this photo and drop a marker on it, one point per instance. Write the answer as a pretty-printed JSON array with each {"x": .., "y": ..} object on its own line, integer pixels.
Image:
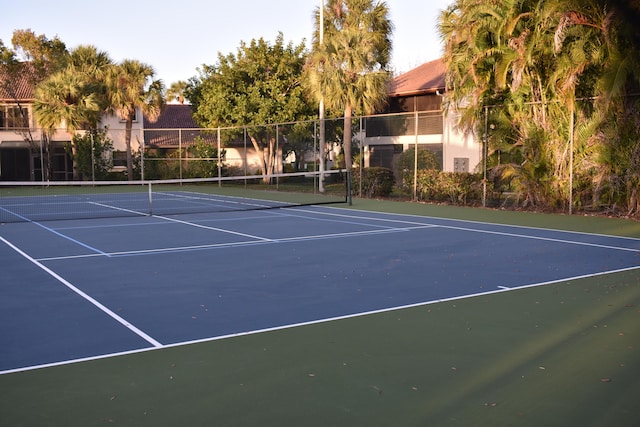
[{"x": 93, "y": 301}]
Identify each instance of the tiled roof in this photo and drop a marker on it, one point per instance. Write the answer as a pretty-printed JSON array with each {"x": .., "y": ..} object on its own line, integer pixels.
[
  {"x": 168, "y": 131},
  {"x": 427, "y": 78},
  {"x": 21, "y": 89},
  {"x": 173, "y": 116}
]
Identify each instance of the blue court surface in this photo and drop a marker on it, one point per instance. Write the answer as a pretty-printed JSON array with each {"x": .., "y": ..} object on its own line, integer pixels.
[{"x": 82, "y": 289}]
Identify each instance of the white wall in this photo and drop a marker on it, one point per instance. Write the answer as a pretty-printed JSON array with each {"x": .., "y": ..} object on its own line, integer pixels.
[
  {"x": 455, "y": 145},
  {"x": 117, "y": 131}
]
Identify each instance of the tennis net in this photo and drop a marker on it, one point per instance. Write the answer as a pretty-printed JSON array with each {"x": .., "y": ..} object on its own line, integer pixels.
[{"x": 38, "y": 201}]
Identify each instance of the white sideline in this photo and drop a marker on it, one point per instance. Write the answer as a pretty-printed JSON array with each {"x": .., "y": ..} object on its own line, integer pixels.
[{"x": 93, "y": 301}]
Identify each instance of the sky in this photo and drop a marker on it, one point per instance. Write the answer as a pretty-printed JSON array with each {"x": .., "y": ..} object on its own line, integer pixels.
[{"x": 177, "y": 37}]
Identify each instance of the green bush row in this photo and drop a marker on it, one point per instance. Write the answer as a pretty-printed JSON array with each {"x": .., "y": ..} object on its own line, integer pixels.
[
  {"x": 431, "y": 186},
  {"x": 438, "y": 186}
]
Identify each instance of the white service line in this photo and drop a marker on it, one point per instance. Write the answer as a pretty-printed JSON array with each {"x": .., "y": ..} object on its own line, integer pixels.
[
  {"x": 115, "y": 208},
  {"x": 254, "y": 242},
  {"x": 206, "y": 227},
  {"x": 93, "y": 301}
]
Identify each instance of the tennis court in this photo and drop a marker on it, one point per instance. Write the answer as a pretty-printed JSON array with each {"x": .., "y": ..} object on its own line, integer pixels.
[{"x": 96, "y": 289}]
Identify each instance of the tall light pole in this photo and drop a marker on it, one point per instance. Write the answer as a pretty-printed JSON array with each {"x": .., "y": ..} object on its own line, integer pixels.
[{"x": 321, "y": 107}]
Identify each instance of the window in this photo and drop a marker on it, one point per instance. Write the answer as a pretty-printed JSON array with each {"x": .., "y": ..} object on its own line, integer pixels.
[
  {"x": 13, "y": 117},
  {"x": 119, "y": 158},
  {"x": 429, "y": 123},
  {"x": 134, "y": 119}
]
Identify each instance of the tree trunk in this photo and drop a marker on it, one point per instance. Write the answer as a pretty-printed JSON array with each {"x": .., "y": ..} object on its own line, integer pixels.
[
  {"x": 266, "y": 155},
  {"x": 74, "y": 160},
  {"x": 347, "y": 137},
  {"x": 127, "y": 140}
]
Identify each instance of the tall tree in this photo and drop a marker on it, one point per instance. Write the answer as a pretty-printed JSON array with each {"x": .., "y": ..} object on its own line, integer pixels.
[
  {"x": 258, "y": 85},
  {"x": 549, "y": 74},
  {"x": 494, "y": 68},
  {"x": 598, "y": 41},
  {"x": 74, "y": 97},
  {"x": 131, "y": 86},
  {"x": 46, "y": 55},
  {"x": 348, "y": 69},
  {"x": 31, "y": 60},
  {"x": 176, "y": 92}
]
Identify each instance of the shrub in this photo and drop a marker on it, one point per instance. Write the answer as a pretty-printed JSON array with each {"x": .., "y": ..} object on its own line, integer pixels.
[
  {"x": 376, "y": 181},
  {"x": 427, "y": 159},
  {"x": 456, "y": 188}
]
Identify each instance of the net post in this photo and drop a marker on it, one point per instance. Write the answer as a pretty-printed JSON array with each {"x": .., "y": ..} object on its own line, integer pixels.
[
  {"x": 348, "y": 178},
  {"x": 150, "y": 199}
]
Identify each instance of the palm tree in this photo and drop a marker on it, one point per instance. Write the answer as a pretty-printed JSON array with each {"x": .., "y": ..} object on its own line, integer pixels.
[
  {"x": 555, "y": 78},
  {"x": 131, "y": 87},
  {"x": 499, "y": 58},
  {"x": 348, "y": 70},
  {"x": 176, "y": 91},
  {"x": 74, "y": 97},
  {"x": 597, "y": 43},
  {"x": 65, "y": 99}
]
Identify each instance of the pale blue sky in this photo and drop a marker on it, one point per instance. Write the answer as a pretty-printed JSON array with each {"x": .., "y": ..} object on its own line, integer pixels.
[{"x": 179, "y": 36}]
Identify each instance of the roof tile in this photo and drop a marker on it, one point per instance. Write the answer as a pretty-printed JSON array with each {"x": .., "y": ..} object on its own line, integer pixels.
[
  {"x": 21, "y": 89},
  {"x": 427, "y": 78},
  {"x": 173, "y": 116}
]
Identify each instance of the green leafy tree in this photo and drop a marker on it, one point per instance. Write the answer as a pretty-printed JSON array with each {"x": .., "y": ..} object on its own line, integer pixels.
[
  {"x": 74, "y": 96},
  {"x": 206, "y": 165},
  {"x": 31, "y": 59},
  {"x": 258, "y": 85},
  {"x": 46, "y": 55},
  {"x": 131, "y": 86},
  {"x": 348, "y": 68},
  {"x": 495, "y": 57},
  {"x": 546, "y": 76},
  {"x": 597, "y": 42},
  {"x": 92, "y": 154}
]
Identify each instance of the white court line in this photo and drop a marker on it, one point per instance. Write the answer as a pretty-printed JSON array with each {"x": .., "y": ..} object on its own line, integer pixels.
[
  {"x": 494, "y": 224},
  {"x": 240, "y": 244},
  {"x": 115, "y": 208},
  {"x": 313, "y": 322},
  {"x": 547, "y": 239},
  {"x": 224, "y": 200},
  {"x": 93, "y": 301},
  {"x": 57, "y": 233},
  {"x": 502, "y": 233},
  {"x": 206, "y": 227}
]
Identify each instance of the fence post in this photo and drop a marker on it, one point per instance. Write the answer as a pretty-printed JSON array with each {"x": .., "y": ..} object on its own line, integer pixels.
[
  {"x": 219, "y": 163},
  {"x": 571, "y": 142},
  {"x": 485, "y": 143},
  {"x": 415, "y": 159}
]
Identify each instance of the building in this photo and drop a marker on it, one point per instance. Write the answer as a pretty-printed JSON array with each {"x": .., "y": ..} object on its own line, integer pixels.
[
  {"x": 175, "y": 131},
  {"x": 415, "y": 116},
  {"x": 26, "y": 150}
]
